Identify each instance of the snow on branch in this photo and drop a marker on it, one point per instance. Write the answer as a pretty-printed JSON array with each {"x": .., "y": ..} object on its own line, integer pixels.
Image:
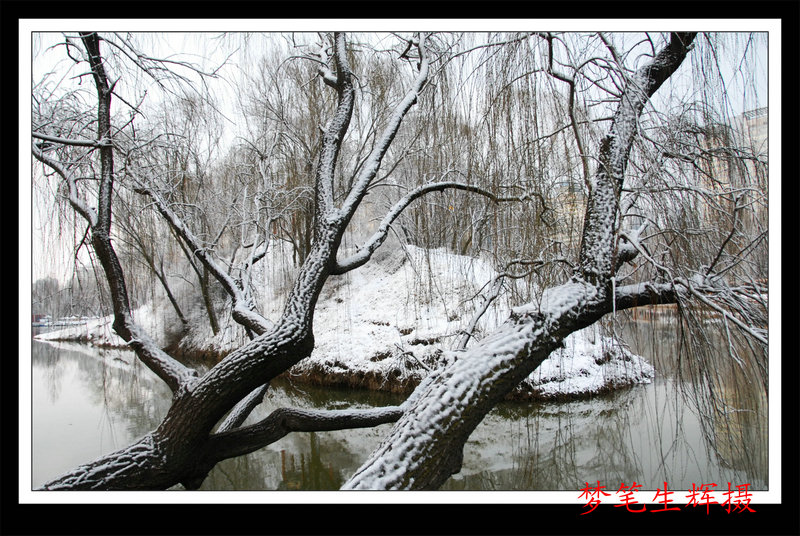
[
  {"x": 733, "y": 303},
  {"x": 117, "y": 465},
  {"x": 242, "y": 309},
  {"x": 335, "y": 131},
  {"x": 105, "y": 142},
  {"x": 365, "y": 252},
  {"x": 597, "y": 245},
  {"x": 647, "y": 293},
  {"x": 628, "y": 246},
  {"x": 321, "y": 57},
  {"x": 243, "y": 409},
  {"x": 171, "y": 371},
  {"x": 374, "y": 159}
]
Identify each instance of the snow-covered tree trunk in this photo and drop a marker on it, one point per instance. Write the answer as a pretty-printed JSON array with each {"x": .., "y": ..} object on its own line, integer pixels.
[
  {"x": 185, "y": 446},
  {"x": 425, "y": 446},
  {"x": 204, "y": 424}
]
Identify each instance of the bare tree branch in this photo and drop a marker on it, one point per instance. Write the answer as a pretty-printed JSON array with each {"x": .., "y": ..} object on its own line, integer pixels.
[
  {"x": 243, "y": 309},
  {"x": 373, "y": 161},
  {"x": 67, "y": 141},
  {"x": 366, "y": 251},
  {"x": 284, "y": 421}
]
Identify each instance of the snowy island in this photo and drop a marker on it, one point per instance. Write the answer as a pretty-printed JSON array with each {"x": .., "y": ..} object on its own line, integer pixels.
[{"x": 386, "y": 325}]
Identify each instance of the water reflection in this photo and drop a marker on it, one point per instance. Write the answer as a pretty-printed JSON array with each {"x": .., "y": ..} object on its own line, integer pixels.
[
  {"x": 87, "y": 402},
  {"x": 314, "y": 461},
  {"x": 679, "y": 429},
  {"x": 644, "y": 434}
]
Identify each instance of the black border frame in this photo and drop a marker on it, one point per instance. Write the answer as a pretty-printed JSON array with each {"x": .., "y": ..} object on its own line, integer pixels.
[{"x": 489, "y": 518}]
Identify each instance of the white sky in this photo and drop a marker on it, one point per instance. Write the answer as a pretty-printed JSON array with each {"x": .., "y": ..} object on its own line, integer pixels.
[{"x": 167, "y": 41}]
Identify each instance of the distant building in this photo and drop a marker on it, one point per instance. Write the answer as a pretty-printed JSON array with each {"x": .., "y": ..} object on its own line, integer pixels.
[
  {"x": 739, "y": 151},
  {"x": 753, "y": 126},
  {"x": 569, "y": 204},
  {"x": 738, "y": 165},
  {"x": 41, "y": 320}
]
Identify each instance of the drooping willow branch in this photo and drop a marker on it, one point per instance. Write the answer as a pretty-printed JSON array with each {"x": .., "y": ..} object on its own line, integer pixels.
[
  {"x": 172, "y": 372},
  {"x": 243, "y": 310},
  {"x": 370, "y": 246}
]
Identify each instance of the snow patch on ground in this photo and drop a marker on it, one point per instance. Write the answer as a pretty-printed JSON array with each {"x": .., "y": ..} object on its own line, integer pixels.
[
  {"x": 388, "y": 323},
  {"x": 99, "y": 331},
  {"x": 588, "y": 364}
]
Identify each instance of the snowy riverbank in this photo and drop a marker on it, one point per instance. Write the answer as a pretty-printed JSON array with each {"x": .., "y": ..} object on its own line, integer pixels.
[{"x": 386, "y": 325}]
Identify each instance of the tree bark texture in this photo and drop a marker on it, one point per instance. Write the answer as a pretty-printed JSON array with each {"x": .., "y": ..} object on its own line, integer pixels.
[
  {"x": 185, "y": 446},
  {"x": 424, "y": 447}
]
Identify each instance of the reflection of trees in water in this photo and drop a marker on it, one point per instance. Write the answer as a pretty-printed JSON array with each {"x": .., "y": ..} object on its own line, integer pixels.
[
  {"x": 257, "y": 471},
  {"x": 546, "y": 459},
  {"x": 647, "y": 434},
  {"x": 114, "y": 380},
  {"x": 739, "y": 434},
  {"x": 720, "y": 378},
  {"x": 136, "y": 397},
  {"x": 46, "y": 357},
  {"x": 310, "y": 472},
  {"x": 545, "y": 467},
  {"x": 560, "y": 446},
  {"x": 306, "y": 462},
  {"x": 612, "y": 459}
]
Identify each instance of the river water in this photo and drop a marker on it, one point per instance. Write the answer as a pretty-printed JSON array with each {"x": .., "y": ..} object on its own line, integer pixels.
[{"x": 88, "y": 401}]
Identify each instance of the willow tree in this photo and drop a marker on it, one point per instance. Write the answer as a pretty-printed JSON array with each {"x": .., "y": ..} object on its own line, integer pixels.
[{"x": 205, "y": 422}]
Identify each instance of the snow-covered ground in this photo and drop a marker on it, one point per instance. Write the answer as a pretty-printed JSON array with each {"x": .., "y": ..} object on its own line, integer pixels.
[{"x": 386, "y": 324}]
